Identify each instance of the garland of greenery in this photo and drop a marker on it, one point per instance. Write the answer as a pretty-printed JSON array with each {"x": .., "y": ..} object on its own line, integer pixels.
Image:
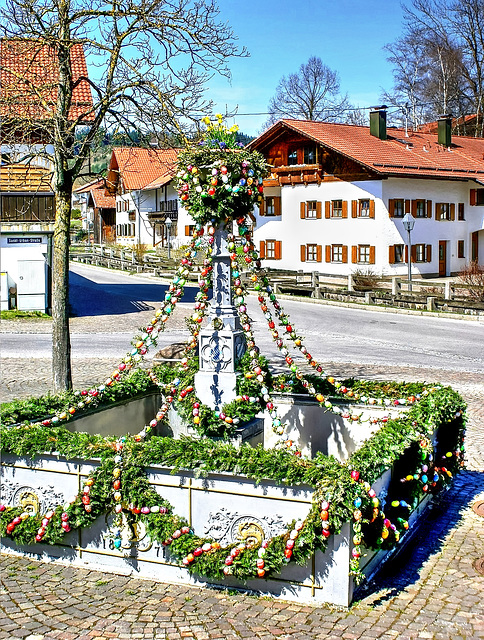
[{"x": 338, "y": 487}]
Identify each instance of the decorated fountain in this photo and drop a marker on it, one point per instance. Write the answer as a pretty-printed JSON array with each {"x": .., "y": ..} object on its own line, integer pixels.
[{"x": 297, "y": 485}]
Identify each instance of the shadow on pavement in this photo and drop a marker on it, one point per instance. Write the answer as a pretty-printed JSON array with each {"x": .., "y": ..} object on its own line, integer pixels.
[
  {"x": 403, "y": 569},
  {"x": 88, "y": 298}
]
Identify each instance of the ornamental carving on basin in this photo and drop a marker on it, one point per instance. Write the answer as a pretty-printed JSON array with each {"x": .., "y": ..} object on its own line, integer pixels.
[
  {"x": 229, "y": 527},
  {"x": 33, "y": 500}
]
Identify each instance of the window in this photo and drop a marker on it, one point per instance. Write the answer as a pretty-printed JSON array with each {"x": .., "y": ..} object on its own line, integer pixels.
[
  {"x": 270, "y": 206},
  {"x": 311, "y": 209},
  {"x": 420, "y": 253},
  {"x": 292, "y": 157},
  {"x": 311, "y": 253},
  {"x": 460, "y": 211},
  {"x": 442, "y": 211},
  {"x": 189, "y": 229},
  {"x": 364, "y": 208},
  {"x": 399, "y": 255},
  {"x": 460, "y": 249},
  {"x": 476, "y": 197},
  {"x": 310, "y": 155},
  {"x": 420, "y": 209},
  {"x": 270, "y": 250},
  {"x": 336, "y": 253},
  {"x": 131, "y": 216},
  {"x": 396, "y": 208},
  {"x": 336, "y": 208},
  {"x": 364, "y": 253},
  {"x": 270, "y": 209}
]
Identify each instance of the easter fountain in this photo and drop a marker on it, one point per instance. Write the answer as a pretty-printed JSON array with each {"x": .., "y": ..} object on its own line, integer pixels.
[{"x": 296, "y": 486}]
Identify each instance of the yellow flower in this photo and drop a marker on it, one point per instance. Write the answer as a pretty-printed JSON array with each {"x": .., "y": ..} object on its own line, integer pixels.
[
  {"x": 206, "y": 120},
  {"x": 234, "y": 128},
  {"x": 219, "y": 117}
]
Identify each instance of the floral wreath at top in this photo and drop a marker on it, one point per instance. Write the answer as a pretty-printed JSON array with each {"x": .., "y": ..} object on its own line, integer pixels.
[{"x": 217, "y": 179}]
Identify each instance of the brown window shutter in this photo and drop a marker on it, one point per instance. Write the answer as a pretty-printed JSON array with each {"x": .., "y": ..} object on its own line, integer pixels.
[
  {"x": 278, "y": 250},
  {"x": 262, "y": 207},
  {"x": 303, "y": 253},
  {"x": 391, "y": 208},
  {"x": 345, "y": 254},
  {"x": 187, "y": 230},
  {"x": 460, "y": 211},
  {"x": 354, "y": 254},
  {"x": 302, "y": 212},
  {"x": 319, "y": 210},
  {"x": 452, "y": 211},
  {"x": 354, "y": 208},
  {"x": 391, "y": 254},
  {"x": 414, "y": 208},
  {"x": 262, "y": 250},
  {"x": 407, "y": 206},
  {"x": 429, "y": 208},
  {"x": 413, "y": 253},
  {"x": 438, "y": 211},
  {"x": 327, "y": 209},
  {"x": 406, "y": 253},
  {"x": 277, "y": 205},
  {"x": 428, "y": 253},
  {"x": 372, "y": 208},
  {"x": 473, "y": 197},
  {"x": 328, "y": 253},
  {"x": 372, "y": 255},
  {"x": 345, "y": 209},
  {"x": 319, "y": 253}
]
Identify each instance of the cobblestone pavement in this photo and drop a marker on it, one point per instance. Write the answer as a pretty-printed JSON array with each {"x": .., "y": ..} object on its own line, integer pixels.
[{"x": 435, "y": 593}]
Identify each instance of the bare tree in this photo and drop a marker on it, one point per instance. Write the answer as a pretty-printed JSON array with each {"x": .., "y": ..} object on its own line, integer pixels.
[
  {"x": 149, "y": 63},
  {"x": 439, "y": 60},
  {"x": 310, "y": 94}
]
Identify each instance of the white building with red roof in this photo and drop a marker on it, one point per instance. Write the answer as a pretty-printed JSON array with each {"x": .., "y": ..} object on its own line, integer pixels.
[
  {"x": 142, "y": 181},
  {"x": 337, "y": 195}
]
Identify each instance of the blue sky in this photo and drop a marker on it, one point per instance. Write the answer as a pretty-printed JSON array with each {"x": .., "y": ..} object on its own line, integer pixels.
[{"x": 348, "y": 35}]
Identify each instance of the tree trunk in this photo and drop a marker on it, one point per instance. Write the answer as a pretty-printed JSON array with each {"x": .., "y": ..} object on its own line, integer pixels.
[{"x": 61, "y": 343}]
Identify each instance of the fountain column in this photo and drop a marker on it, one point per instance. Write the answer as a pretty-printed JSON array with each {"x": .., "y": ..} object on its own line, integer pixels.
[{"x": 222, "y": 342}]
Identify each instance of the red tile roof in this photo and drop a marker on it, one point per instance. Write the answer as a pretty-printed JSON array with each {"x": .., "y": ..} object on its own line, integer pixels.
[
  {"x": 102, "y": 199},
  {"x": 140, "y": 168},
  {"x": 417, "y": 154},
  {"x": 432, "y": 127},
  {"x": 29, "y": 76}
]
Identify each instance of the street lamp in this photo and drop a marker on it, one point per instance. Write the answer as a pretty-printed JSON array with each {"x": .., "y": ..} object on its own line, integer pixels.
[
  {"x": 408, "y": 225},
  {"x": 168, "y": 223}
]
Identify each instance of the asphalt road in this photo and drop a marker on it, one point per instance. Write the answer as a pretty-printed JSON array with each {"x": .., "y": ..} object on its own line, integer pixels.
[{"x": 336, "y": 334}]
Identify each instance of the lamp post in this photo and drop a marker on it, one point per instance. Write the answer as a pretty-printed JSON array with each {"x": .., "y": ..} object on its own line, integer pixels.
[
  {"x": 168, "y": 223},
  {"x": 408, "y": 225}
]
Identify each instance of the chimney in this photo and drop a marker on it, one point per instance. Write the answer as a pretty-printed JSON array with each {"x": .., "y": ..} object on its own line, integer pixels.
[
  {"x": 378, "y": 122},
  {"x": 444, "y": 130}
]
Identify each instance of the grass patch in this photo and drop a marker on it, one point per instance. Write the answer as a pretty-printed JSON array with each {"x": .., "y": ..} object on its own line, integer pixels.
[{"x": 15, "y": 314}]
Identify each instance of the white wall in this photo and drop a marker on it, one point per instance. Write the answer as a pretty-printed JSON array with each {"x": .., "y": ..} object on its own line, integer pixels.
[
  {"x": 380, "y": 232},
  {"x": 143, "y": 202}
]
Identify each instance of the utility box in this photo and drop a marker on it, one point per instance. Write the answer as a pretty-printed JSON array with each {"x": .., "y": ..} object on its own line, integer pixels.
[{"x": 31, "y": 285}]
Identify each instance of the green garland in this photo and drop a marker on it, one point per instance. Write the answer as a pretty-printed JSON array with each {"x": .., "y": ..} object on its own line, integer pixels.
[
  {"x": 216, "y": 184},
  {"x": 402, "y": 443}
]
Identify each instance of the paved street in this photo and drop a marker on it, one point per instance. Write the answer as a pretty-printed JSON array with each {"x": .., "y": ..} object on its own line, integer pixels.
[{"x": 432, "y": 592}]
